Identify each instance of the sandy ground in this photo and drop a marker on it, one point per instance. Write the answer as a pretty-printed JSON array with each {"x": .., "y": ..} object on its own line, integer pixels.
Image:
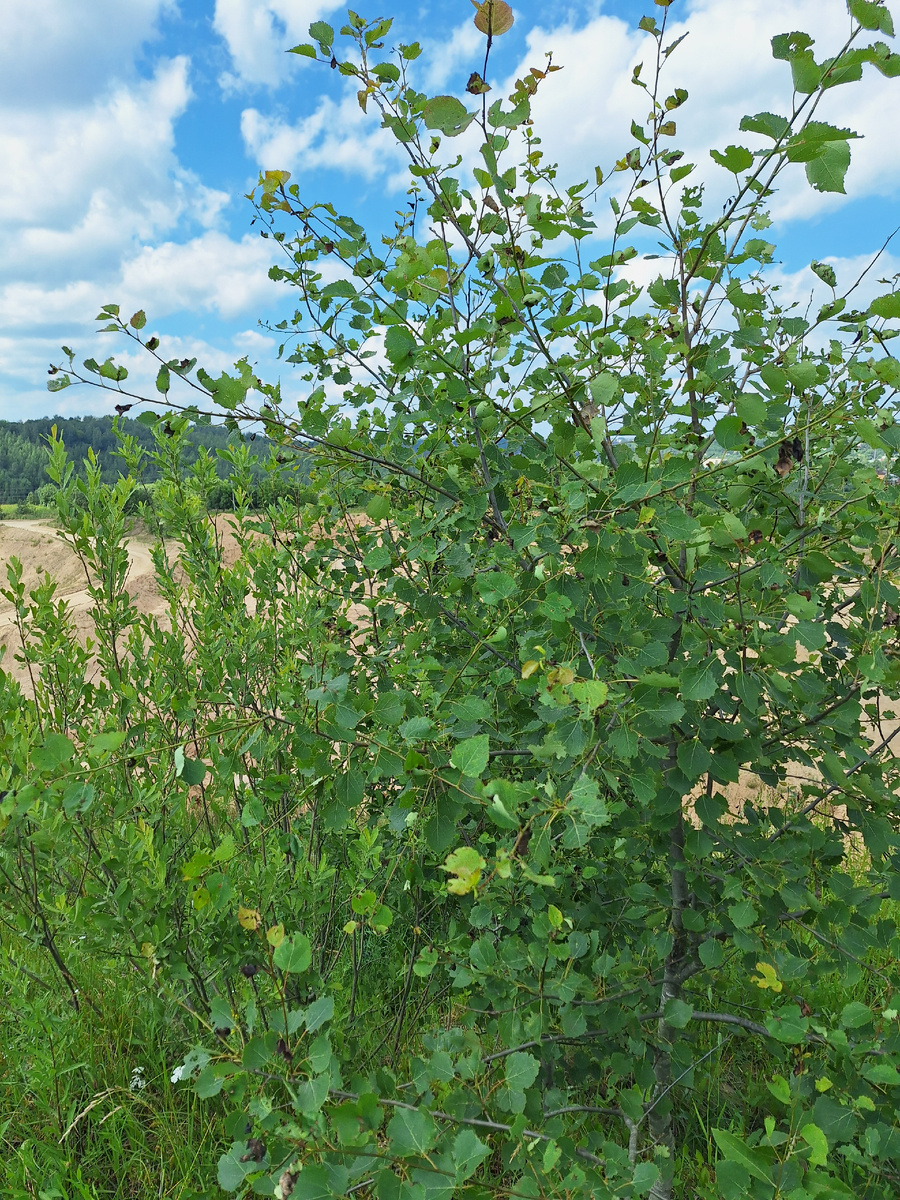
[{"x": 40, "y": 549}]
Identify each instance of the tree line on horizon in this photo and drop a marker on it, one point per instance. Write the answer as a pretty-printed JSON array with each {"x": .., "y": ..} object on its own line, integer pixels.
[{"x": 23, "y": 455}]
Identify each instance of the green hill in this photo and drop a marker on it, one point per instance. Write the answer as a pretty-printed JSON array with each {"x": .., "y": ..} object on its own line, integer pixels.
[{"x": 23, "y": 451}]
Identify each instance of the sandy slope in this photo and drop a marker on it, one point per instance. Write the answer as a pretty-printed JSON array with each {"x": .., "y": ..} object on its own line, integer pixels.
[{"x": 40, "y": 549}]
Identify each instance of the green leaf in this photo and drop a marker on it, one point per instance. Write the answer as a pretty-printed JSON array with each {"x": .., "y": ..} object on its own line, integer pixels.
[
  {"x": 312, "y": 1184},
  {"x": 399, "y": 345},
  {"x": 604, "y": 389},
  {"x": 678, "y": 1013},
  {"x": 53, "y": 751},
  {"x": 411, "y": 1132},
  {"x": 107, "y": 742},
  {"x": 318, "y": 1013},
  {"x": 471, "y": 756},
  {"x": 827, "y": 170},
  {"x": 469, "y": 1151},
  {"x": 342, "y": 288},
  {"x": 521, "y": 1070},
  {"x": 231, "y": 1171},
  {"x": 495, "y": 586},
  {"x": 321, "y": 32},
  {"x": 728, "y": 432},
  {"x": 825, "y": 272},
  {"x": 693, "y": 759},
  {"x": 700, "y": 682},
  {"x": 425, "y": 963},
  {"x": 520, "y": 1073},
  {"x": 854, "y": 1015},
  {"x": 294, "y": 954},
  {"x": 751, "y": 408},
  {"x": 711, "y": 953},
  {"x": 193, "y": 771},
  {"x": 771, "y": 125},
  {"x": 887, "y": 306},
  {"x": 883, "y": 1074},
  {"x": 743, "y": 914},
  {"x": 872, "y": 15},
  {"x": 645, "y": 1176},
  {"x": 735, "y": 159},
  {"x": 818, "y": 1144},
  {"x": 446, "y": 114},
  {"x": 379, "y": 508},
  {"x": 753, "y": 1161}
]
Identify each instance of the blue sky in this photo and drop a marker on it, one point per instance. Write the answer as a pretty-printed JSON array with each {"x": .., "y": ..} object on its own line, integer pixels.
[{"x": 131, "y": 131}]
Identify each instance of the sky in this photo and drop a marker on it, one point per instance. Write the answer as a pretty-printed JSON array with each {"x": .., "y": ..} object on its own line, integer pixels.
[{"x": 131, "y": 131}]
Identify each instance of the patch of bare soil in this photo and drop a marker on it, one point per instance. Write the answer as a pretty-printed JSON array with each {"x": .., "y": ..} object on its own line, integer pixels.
[{"x": 39, "y": 547}]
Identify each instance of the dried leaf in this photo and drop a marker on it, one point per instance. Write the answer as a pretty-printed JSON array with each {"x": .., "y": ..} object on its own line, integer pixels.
[{"x": 493, "y": 17}]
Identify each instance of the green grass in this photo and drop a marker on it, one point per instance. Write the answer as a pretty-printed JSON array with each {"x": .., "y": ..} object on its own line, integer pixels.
[
  {"x": 87, "y": 1110},
  {"x": 11, "y": 512}
]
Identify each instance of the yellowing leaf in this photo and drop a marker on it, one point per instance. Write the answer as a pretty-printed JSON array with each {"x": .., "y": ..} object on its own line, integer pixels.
[
  {"x": 560, "y": 675},
  {"x": 767, "y": 977},
  {"x": 249, "y": 918},
  {"x": 529, "y": 668},
  {"x": 275, "y": 935},
  {"x": 466, "y": 864},
  {"x": 493, "y": 17},
  {"x": 274, "y": 179}
]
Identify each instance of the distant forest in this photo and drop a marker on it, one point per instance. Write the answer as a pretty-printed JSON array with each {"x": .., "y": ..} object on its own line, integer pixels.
[{"x": 23, "y": 453}]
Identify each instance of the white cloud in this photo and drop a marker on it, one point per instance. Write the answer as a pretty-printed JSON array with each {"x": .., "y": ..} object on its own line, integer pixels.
[
  {"x": 338, "y": 135},
  {"x": 452, "y": 59},
  {"x": 209, "y": 273},
  {"x": 55, "y": 51},
  {"x": 95, "y": 199},
  {"x": 257, "y": 34},
  {"x": 805, "y": 289},
  {"x": 83, "y": 184},
  {"x": 584, "y": 112},
  {"x": 25, "y": 368}
]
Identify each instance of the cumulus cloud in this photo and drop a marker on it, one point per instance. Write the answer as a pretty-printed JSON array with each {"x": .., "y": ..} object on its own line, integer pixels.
[
  {"x": 864, "y": 273},
  {"x": 337, "y": 136},
  {"x": 99, "y": 205},
  {"x": 584, "y": 112},
  {"x": 211, "y": 273},
  {"x": 82, "y": 183},
  {"x": 208, "y": 273},
  {"x": 54, "y": 51},
  {"x": 96, "y": 205},
  {"x": 258, "y": 32},
  {"x": 25, "y": 362},
  {"x": 450, "y": 60}
]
